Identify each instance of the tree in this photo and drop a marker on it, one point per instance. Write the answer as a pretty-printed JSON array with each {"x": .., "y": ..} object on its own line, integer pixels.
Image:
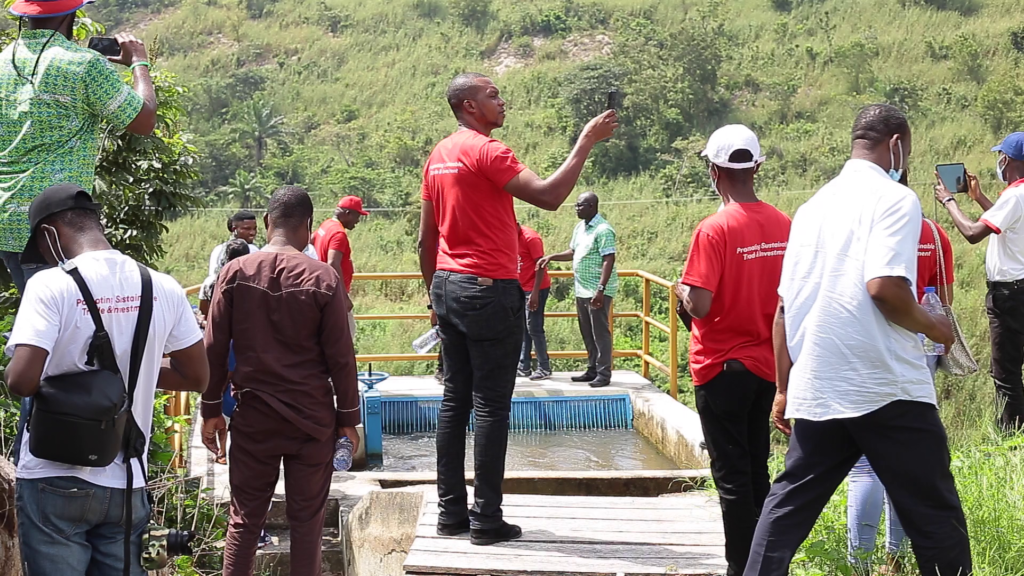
[
  {"x": 263, "y": 127},
  {"x": 244, "y": 189}
]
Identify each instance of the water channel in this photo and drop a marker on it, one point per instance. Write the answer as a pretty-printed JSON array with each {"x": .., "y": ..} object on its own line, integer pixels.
[{"x": 573, "y": 451}]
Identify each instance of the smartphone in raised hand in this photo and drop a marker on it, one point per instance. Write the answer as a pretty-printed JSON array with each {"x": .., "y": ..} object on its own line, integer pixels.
[
  {"x": 105, "y": 46},
  {"x": 614, "y": 100},
  {"x": 953, "y": 176}
]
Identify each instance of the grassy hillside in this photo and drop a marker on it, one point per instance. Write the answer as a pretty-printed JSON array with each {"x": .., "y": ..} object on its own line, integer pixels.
[{"x": 347, "y": 97}]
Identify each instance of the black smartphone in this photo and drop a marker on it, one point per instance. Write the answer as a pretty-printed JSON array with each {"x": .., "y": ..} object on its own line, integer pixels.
[
  {"x": 105, "y": 46},
  {"x": 954, "y": 176},
  {"x": 614, "y": 100}
]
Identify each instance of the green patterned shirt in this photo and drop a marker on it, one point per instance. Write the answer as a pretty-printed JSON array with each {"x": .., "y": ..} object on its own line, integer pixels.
[
  {"x": 50, "y": 128},
  {"x": 591, "y": 242}
]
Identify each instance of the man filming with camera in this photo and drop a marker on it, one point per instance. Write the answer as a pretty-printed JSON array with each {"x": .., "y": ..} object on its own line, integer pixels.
[
  {"x": 57, "y": 99},
  {"x": 97, "y": 327}
]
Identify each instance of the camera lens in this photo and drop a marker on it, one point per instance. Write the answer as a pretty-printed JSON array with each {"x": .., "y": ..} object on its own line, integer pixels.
[{"x": 179, "y": 542}]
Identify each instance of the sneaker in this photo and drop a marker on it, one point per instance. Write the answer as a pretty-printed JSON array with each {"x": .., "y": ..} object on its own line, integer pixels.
[
  {"x": 453, "y": 529},
  {"x": 263, "y": 541},
  {"x": 599, "y": 383},
  {"x": 503, "y": 533},
  {"x": 540, "y": 374},
  {"x": 585, "y": 377},
  {"x": 523, "y": 373}
]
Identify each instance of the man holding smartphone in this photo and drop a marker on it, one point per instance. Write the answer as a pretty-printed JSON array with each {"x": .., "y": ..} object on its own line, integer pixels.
[
  {"x": 73, "y": 92},
  {"x": 1004, "y": 268}
]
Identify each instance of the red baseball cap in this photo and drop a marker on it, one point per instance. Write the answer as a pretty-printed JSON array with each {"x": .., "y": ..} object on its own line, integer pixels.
[
  {"x": 353, "y": 203},
  {"x": 46, "y": 8}
]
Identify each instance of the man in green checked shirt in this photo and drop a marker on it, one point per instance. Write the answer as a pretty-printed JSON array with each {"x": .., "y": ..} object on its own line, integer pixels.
[
  {"x": 592, "y": 251},
  {"x": 56, "y": 100}
]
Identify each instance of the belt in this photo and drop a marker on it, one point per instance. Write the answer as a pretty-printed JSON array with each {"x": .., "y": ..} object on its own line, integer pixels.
[
  {"x": 733, "y": 366},
  {"x": 1006, "y": 284}
]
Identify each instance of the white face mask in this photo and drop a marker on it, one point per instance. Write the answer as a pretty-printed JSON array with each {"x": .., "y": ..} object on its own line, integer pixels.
[
  {"x": 714, "y": 182},
  {"x": 58, "y": 254},
  {"x": 999, "y": 170}
]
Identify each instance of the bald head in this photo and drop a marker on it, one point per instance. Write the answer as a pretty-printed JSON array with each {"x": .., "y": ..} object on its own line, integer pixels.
[{"x": 586, "y": 206}]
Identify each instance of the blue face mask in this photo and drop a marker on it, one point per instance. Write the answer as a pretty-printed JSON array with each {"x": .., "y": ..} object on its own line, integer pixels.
[
  {"x": 893, "y": 172},
  {"x": 999, "y": 171}
]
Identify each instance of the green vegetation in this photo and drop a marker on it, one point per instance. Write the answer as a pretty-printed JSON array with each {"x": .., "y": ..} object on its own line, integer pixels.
[{"x": 359, "y": 90}]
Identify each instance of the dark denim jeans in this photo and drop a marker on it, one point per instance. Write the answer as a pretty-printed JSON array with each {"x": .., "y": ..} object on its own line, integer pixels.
[
  {"x": 67, "y": 525},
  {"x": 534, "y": 337},
  {"x": 481, "y": 334}
]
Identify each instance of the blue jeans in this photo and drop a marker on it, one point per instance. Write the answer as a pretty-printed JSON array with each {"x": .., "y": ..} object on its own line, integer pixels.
[
  {"x": 533, "y": 336},
  {"x": 864, "y": 511},
  {"x": 71, "y": 527}
]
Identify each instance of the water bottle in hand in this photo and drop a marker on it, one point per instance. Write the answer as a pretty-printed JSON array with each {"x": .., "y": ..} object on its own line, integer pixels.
[
  {"x": 930, "y": 302},
  {"x": 343, "y": 454},
  {"x": 424, "y": 343}
]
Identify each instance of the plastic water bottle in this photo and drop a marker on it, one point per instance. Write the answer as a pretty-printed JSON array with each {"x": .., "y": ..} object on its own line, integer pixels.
[
  {"x": 343, "y": 454},
  {"x": 930, "y": 302},
  {"x": 426, "y": 342}
]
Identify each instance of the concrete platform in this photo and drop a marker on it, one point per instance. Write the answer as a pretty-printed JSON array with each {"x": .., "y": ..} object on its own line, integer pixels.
[{"x": 560, "y": 384}]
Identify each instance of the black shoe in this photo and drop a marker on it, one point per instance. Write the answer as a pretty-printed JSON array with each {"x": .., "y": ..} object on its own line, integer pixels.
[
  {"x": 453, "y": 529},
  {"x": 585, "y": 377},
  {"x": 600, "y": 383},
  {"x": 503, "y": 533}
]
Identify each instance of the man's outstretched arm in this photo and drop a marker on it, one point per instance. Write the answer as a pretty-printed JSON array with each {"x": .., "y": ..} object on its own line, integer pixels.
[{"x": 549, "y": 193}]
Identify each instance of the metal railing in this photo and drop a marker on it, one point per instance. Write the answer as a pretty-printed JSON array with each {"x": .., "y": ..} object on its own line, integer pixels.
[{"x": 644, "y": 354}]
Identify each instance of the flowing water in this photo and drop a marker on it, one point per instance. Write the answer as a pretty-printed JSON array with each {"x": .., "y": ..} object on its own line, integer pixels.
[{"x": 578, "y": 450}]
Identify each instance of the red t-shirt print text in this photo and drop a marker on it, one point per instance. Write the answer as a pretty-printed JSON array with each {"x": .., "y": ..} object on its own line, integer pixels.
[
  {"x": 119, "y": 304},
  {"x": 464, "y": 179}
]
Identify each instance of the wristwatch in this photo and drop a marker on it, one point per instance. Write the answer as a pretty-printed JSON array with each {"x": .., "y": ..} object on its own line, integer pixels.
[
  {"x": 948, "y": 200},
  {"x": 430, "y": 306},
  {"x": 600, "y": 287}
]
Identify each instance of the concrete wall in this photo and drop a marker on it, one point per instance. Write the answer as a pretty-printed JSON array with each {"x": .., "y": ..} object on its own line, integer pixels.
[
  {"x": 670, "y": 425},
  {"x": 379, "y": 531}
]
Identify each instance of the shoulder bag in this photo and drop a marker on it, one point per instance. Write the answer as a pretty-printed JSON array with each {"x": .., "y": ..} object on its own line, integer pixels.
[{"x": 958, "y": 360}]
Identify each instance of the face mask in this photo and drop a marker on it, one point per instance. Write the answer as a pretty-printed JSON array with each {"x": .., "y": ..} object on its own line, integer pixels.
[
  {"x": 893, "y": 173},
  {"x": 714, "y": 183},
  {"x": 58, "y": 254},
  {"x": 999, "y": 171}
]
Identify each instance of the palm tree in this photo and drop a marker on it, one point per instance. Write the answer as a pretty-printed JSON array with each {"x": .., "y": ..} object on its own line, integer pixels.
[
  {"x": 263, "y": 126},
  {"x": 243, "y": 188}
]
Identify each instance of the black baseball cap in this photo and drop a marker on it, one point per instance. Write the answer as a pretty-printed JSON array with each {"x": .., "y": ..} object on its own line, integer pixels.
[{"x": 51, "y": 201}]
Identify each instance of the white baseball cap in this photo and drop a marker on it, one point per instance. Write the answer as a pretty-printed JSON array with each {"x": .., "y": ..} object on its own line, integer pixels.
[{"x": 728, "y": 139}]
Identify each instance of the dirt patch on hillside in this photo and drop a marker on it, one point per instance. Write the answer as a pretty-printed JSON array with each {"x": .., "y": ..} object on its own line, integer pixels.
[{"x": 579, "y": 48}]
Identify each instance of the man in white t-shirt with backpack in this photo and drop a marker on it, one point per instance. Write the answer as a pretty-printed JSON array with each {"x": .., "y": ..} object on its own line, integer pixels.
[{"x": 70, "y": 517}]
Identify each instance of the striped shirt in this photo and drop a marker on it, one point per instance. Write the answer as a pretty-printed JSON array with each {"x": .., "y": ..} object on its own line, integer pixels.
[{"x": 591, "y": 242}]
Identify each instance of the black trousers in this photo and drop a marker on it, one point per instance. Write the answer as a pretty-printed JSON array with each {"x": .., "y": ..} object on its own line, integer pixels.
[
  {"x": 734, "y": 410},
  {"x": 906, "y": 446},
  {"x": 481, "y": 335},
  {"x": 1005, "y": 306}
]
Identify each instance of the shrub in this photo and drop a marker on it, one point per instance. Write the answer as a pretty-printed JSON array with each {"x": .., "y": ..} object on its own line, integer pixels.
[
  {"x": 472, "y": 13},
  {"x": 1001, "y": 104}
]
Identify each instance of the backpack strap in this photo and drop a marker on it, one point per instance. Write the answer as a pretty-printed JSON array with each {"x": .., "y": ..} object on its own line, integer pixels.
[
  {"x": 100, "y": 349},
  {"x": 130, "y": 442}
]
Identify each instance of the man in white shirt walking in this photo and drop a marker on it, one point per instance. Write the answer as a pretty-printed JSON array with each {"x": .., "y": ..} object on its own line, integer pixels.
[
  {"x": 849, "y": 366},
  {"x": 1004, "y": 267}
]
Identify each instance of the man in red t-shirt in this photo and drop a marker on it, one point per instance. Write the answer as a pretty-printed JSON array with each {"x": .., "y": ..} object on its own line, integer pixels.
[
  {"x": 537, "y": 287},
  {"x": 468, "y": 185},
  {"x": 331, "y": 239},
  {"x": 729, "y": 288}
]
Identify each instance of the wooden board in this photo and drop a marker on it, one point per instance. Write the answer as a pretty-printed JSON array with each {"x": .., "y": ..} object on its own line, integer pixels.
[{"x": 583, "y": 535}]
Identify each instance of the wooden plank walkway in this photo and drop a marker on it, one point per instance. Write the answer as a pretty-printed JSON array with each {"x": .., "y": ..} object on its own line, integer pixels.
[{"x": 584, "y": 535}]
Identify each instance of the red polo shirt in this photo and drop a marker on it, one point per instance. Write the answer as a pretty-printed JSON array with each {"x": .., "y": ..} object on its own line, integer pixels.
[
  {"x": 465, "y": 178},
  {"x": 531, "y": 249},
  {"x": 928, "y": 259},
  {"x": 332, "y": 236},
  {"x": 737, "y": 255}
]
